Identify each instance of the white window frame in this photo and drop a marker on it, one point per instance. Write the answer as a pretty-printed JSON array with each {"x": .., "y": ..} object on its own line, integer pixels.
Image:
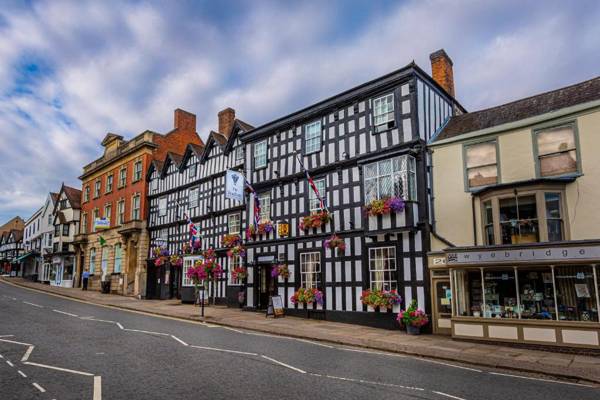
[
  {"x": 265, "y": 206},
  {"x": 95, "y": 215},
  {"x": 192, "y": 169},
  {"x": 310, "y": 264},
  {"x": 123, "y": 177},
  {"x": 109, "y": 183},
  {"x": 382, "y": 113},
  {"x": 137, "y": 172},
  {"x": 97, "y": 188},
  {"x": 135, "y": 211},
  {"x": 108, "y": 206},
  {"x": 260, "y": 154},
  {"x": 194, "y": 197},
  {"x": 377, "y": 266},
  {"x": 188, "y": 262},
  {"x": 234, "y": 262},
  {"x": 118, "y": 260},
  {"x": 312, "y": 137},
  {"x": 121, "y": 212},
  {"x": 86, "y": 196},
  {"x": 406, "y": 173},
  {"x": 92, "y": 260},
  {"x": 313, "y": 202},
  {"x": 104, "y": 259},
  {"x": 235, "y": 226},
  {"x": 239, "y": 154},
  {"x": 162, "y": 206}
]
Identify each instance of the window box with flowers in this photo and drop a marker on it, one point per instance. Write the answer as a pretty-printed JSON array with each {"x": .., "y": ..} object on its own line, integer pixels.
[
  {"x": 315, "y": 220},
  {"x": 335, "y": 243},
  {"x": 384, "y": 206},
  {"x": 380, "y": 299},
  {"x": 263, "y": 228},
  {"x": 231, "y": 240},
  {"x": 280, "y": 270},
  {"x": 413, "y": 318},
  {"x": 307, "y": 296},
  {"x": 237, "y": 250}
]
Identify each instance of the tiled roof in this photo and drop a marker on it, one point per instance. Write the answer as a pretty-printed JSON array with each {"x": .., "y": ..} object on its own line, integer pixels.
[
  {"x": 74, "y": 196},
  {"x": 579, "y": 93}
]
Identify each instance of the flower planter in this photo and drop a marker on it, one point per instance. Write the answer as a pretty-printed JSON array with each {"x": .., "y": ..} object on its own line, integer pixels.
[{"x": 413, "y": 330}]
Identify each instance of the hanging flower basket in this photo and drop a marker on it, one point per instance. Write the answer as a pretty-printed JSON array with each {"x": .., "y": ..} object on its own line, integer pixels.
[
  {"x": 176, "y": 260},
  {"x": 335, "y": 242},
  {"x": 380, "y": 298},
  {"x": 237, "y": 250},
  {"x": 160, "y": 255},
  {"x": 307, "y": 296},
  {"x": 263, "y": 228},
  {"x": 385, "y": 206},
  {"x": 280, "y": 270},
  {"x": 193, "y": 248},
  {"x": 232, "y": 240},
  {"x": 413, "y": 318},
  {"x": 315, "y": 220},
  {"x": 239, "y": 273}
]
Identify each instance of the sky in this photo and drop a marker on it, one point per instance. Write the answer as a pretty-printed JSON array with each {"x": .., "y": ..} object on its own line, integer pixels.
[{"x": 71, "y": 71}]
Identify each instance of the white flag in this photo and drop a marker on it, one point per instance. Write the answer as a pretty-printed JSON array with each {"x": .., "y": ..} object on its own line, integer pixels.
[{"x": 234, "y": 185}]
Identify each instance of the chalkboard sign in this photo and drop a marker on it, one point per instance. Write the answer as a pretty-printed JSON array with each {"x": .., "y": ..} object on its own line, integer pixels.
[{"x": 275, "y": 307}]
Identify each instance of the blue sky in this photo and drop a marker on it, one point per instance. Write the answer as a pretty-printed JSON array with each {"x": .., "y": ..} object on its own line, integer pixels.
[{"x": 72, "y": 71}]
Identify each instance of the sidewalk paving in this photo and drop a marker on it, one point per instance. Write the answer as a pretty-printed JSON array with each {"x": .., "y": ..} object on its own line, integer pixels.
[{"x": 571, "y": 366}]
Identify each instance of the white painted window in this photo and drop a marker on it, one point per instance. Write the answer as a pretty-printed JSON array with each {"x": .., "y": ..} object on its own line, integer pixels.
[
  {"x": 86, "y": 198},
  {"x": 135, "y": 207},
  {"x": 121, "y": 212},
  {"x": 312, "y": 137},
  {"x": 265, "y": 206},
  {"x": 382, "y": 268},
  {"x": 137, "y": 171},
  {"x": 96, "y": 216},
  {"x": 394, "y": 177},
  {"x": 188, "y": 262},
  {"x": 104, "y": 261},
  {"x": 233, "y": 223},
  {"x": 162, "y": 207},
  {"x": 192, "y": 170},
  {"x": 194, "y": 197},
  {"x": 122, "y": 176},
  {"x": 383, "y": 109},
  {"x": 314, "y": 204},
  {"x": 235, "y": 262},
  {"x": 109, "y": 183},
  {"x": 557, "y": 150},
  {"x": 97, "y": 188},
  {"x": 481, "y": 164},
  {"x": 260, "y": 154},
  {"x": 239, "y": 154},
  {"x": 118, "y": 257},
  {"x": 92, "y": 260},
  {"x": 310, "y": 270},
  {"x": 108, "y": 211}
]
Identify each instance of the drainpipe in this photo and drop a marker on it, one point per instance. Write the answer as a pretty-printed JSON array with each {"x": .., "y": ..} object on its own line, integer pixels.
[{"x": 474, "y": 221}]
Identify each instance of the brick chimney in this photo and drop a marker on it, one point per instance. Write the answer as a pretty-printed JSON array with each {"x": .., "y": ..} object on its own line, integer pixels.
[
  {"x": 441, "y": 70},
  {"x": 226, "y": 118},
  {"x": 185, "y": 121}
]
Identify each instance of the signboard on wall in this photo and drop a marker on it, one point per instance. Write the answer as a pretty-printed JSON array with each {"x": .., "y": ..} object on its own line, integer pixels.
[
  {"x": 101, "y": 223},
  {"x": 533, "y": 254},
  {"x": 283, "y": 229},
  {"x": 234, "y": 186}
]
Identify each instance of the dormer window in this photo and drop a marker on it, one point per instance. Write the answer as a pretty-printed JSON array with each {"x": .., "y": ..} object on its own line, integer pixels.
[{"x": 383, "y": 112}]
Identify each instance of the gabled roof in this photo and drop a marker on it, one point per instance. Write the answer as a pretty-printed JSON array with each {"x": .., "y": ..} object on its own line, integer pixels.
[
  {"x": 73, "y": 195},
  {"x": 155, "y": 165},
  {"x": 54, "y": 197},
  {"x": 226, "y": 142},
  {"x": 111, "y": 137},
  {"x": 237, "y": 128},
  {"x": 17, "y": 234},
  {"x": 171, "y": 158},
  {"x": 190, "y": 149},
  {"x": 543, "y": 103}
]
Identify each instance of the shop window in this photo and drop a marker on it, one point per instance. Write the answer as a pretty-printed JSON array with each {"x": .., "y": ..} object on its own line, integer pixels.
[
  {"x": 519, "y": 220},
  {"x": 576, "y": 293},
  {"x": 314, "y": 204},
  {"x": 481, "y": 167},
  {"x": 554, "y": 217},
  {"x": 488, "y": 222},
  {"x": 233, "y": 223},
  {"x": 235, "y": 263},
  {"x": 395, "y": 177},
  {"x": 500, "y": 294},
  {"x": 557, "y": 151},
  {"x": 92, "y": 260},
  {"x": 382, "y": 268},
  {"x": 118, "y": 258},
  {"x": 310, "y": 270},
  {"x": 265, "y": 206},
  {"x": 469, "y": 293},
  {"x": 260, "y": 154},
  {"x": 383, "y": 112},
  {"x": 536, "y": 293},
  {"x": 312, "y": 137}
]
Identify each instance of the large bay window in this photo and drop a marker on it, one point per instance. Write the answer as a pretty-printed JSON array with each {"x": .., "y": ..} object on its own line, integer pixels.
[
  {"x": 481, "y": 166},
  {"x": 382, "y": 268},
  {"x": 525, "y": 216},
  {"x": 395, "y": 177},
  {"x": 556, "y": 150},
  {"x": 310, "y": 270}
]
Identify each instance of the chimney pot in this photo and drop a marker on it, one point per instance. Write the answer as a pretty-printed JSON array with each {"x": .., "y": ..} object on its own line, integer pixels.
[
  {"x": 185, "y": 120},
  {"x": 441, "y": 70},
  {"x": 226, "y": 119}
]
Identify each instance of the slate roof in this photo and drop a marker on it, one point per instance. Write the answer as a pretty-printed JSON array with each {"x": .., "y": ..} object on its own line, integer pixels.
[
  {"x": 554, "y": 100},
  {"x": 74, "y": 196}
]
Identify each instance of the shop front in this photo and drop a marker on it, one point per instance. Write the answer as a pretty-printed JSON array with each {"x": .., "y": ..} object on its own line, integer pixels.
[
  {"x": 62, "y": 271},
  {"x": 538, "y": 293}
]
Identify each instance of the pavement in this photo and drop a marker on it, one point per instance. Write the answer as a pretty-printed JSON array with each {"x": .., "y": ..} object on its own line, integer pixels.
[{"x": 576, "y": 368}]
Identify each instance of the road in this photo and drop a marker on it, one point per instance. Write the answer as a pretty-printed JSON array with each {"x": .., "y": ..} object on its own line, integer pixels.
[{"x": 56, "y": 348}]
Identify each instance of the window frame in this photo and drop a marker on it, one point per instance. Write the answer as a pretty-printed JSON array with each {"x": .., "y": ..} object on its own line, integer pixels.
[
  {"x": 411, "y": 190},
  {"x": 318, "y": 273},
  {"x": 311, "y": 193},
  {"x": 470, "y": 143},
  {"x": 195, "y": 204},
  {"x": 262, "y": 205},
  {"x": 239, "y": 154},
  {"x": 306, "y": 139},
  {"x": 388, "y": 124},
  {"x": 122, "y": 182},
  {"x": 97, "y": 188},
  {"x": 239, "y": 223},
  {"x": 92, "y": 265},
  {"x": 119, "y": 259},
  {"x": 86, "y": 193},
  {"x": 235, "y": 261},
  {"x": 121, "y": 213},
  {"x": 188, "y": 262},
  {"x": 166, "y": 202},
  {"x": 83, "y": 225},
  {"x": 394, "y": 284},
  {"x": 109, "y": 178},
  {"x": 192, "y": 170},
  {"x": 109, "y": 207},
  {"x": 135, "y": 209},
  {"x": 137, "y": 175},
  {"x": 555, "y": 126},
  {"x": 266, "y": 154}
]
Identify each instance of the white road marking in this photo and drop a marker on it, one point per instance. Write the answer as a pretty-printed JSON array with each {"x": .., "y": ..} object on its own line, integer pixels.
[
  {"x": 97, "y": 388},
  {"x": 120, "y": 326},
  {"x": 66, "y": 313},
  {"x": 9, "y": 363},
  {"x": 284, "y": 364},
  {"x": 315, "y": 343},
  {"x": 370, "y": 382},
  {"x": 448, "y": 395},
  {"x": 33, "y": 304},
  {"x": 38, "y": 387},
  {"x": 372, "y": 352},
  {"x": 27, "y": 354},
  {"x": 232, "y": 329},
  {"x": 540, "y": 379},
  {"x": 15, "y": 342},
  {"x": 224, "y": 350},
  {"x": 22, "y": 374},
  {"x": 150, "y": 332},
  {"x": 7, "y": 335},
  {"x": 447, "y": 364},
  {"x": 72, "y": 371},
  {"x": 179, "y": 340}
]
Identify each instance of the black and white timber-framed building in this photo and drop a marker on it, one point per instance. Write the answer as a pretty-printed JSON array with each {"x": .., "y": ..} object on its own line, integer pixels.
[{"x": 366, "y": 143}]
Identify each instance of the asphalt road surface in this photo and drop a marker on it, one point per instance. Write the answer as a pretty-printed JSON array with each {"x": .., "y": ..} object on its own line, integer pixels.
[{"x": 55, "y": 348}]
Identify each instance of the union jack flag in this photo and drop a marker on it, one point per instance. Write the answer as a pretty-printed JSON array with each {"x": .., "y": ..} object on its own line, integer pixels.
[
  {"x": 193, "y": 230},
  {"x": 312, "y": 184},
  {"x": 256, "y": 203}
]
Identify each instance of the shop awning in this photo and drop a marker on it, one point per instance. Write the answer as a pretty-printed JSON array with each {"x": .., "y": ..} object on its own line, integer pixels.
[{"x": 24, "y": 256}]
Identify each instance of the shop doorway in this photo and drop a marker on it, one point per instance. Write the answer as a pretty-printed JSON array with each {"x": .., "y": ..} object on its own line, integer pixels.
[
  {"x": 442, "y": 307},
  {"x": 266, "y": 285}
]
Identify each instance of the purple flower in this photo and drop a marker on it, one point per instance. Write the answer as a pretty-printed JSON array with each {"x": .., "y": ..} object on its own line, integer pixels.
[
  {"x": 396, "y": 204},
  {"x": 274, "y": 272}
]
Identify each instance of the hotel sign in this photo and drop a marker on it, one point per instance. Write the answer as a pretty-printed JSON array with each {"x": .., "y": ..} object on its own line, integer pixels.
[{"x": 553, "y": 254}]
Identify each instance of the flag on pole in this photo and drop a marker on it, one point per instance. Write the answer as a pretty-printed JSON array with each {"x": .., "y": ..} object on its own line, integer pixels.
[
  {"x": 101, "y": 240},
  {"x": 192, "y": 229},
  {"x": 312, "y": 185}
]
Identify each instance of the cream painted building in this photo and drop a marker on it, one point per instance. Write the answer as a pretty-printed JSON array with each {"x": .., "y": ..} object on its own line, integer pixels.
[{"x": 515, "y": 230}]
